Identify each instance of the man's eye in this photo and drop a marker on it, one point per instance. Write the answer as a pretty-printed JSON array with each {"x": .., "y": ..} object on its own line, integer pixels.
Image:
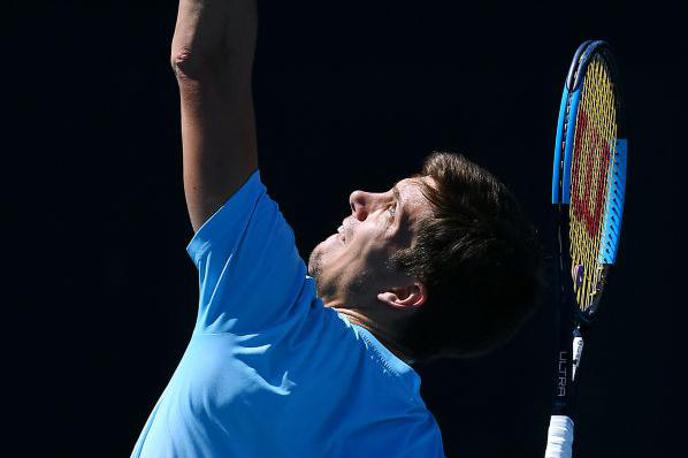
[{"x": 392, "y": 209}]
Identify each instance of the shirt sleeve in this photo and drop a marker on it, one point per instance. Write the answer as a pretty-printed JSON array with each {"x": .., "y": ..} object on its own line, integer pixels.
[{"x": 251, "y": 276}]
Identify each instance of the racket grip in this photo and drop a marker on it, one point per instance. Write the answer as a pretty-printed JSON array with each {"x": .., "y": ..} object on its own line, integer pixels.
[{"x": 559, "y": 437}]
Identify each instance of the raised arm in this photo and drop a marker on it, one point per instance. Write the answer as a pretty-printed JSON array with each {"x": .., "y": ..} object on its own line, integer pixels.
[{"x": 212, "y": 57}]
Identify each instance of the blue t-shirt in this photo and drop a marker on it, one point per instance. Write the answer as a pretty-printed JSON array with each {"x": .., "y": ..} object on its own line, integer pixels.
[{"x": 269, "y": 371}]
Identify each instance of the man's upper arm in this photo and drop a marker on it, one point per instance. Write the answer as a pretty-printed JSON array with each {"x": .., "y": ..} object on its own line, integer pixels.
[{"x": 212, "y": 56}]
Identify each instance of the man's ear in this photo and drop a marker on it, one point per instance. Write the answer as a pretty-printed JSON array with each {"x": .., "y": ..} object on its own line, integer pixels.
[{"x": 411, "y": 296}]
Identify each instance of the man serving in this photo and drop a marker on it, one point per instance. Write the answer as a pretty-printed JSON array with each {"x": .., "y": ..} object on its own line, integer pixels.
[{"x": 293, "y": 361}]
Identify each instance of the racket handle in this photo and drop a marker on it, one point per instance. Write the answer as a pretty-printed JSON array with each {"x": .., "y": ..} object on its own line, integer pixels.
[{"x": 559, "y": 437}]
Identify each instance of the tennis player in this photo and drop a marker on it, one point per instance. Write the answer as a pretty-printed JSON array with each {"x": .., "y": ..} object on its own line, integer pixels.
[{"x": 289, "y": 360}]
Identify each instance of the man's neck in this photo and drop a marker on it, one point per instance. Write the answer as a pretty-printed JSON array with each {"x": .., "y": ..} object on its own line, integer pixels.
[{"x": 386, "y": 338}]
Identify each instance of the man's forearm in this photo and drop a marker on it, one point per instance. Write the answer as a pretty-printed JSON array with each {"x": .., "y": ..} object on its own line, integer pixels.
[{"x": 212, "y": 56}]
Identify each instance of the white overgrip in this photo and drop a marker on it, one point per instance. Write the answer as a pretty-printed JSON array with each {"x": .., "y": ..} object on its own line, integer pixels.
[{"x": 559, "y": 437}]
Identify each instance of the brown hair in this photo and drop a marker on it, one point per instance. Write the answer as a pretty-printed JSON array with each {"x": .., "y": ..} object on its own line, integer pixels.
[{"x": 479, "y": 259}]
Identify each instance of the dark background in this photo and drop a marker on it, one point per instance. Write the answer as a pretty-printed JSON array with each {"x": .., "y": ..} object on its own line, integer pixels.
[{"x": 348, "y": 96}]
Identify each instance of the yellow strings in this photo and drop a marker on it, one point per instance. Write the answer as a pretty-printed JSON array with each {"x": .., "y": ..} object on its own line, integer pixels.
[{"x": 593, "y": 152}]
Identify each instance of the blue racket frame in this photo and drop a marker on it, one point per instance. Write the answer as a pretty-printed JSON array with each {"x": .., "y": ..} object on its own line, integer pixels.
[{"x": 572, "y": 321}]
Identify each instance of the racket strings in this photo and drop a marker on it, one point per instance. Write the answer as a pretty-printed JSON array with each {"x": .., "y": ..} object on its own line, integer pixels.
[{"x": 594, "y": 143}]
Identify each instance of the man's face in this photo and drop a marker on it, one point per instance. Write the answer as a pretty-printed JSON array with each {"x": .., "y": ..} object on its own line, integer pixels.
[{"x": 350, "y": 266}]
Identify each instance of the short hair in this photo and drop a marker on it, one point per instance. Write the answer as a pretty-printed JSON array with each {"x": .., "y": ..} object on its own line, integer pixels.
[{"x": 479, "y": 259}]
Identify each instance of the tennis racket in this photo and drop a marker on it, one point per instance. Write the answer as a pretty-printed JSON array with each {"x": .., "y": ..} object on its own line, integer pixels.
[{"x": 588, "y": 187}]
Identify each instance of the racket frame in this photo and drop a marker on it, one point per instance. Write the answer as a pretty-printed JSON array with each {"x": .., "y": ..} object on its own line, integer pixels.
[{"x": 574, "y": 323}]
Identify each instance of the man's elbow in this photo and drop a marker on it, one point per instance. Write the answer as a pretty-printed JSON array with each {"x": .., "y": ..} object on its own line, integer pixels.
[
  {"x": 214, "y": 69},
  {"x": 188, "y": 66}
]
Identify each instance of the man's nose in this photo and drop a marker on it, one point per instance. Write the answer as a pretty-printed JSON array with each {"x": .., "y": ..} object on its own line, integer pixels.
[{"x": 360, "y": 204}]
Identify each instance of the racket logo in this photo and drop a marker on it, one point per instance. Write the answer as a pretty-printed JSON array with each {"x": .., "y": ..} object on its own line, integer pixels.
[
  {"x": 561, "y": 374},
  {"x": 594, "y": 151}
]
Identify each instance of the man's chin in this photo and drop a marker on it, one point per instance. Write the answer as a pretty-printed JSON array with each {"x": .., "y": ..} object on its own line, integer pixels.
[
  {"x": 312, "y": 272},
  {"x": 315, "y": 262}
]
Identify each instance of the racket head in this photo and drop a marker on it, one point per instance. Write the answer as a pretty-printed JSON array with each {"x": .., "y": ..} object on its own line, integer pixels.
[{"x": 589, "y": 173}]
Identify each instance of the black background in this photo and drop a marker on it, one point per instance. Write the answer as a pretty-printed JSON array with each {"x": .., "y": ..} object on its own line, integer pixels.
[{"x": 348, "y": 96}]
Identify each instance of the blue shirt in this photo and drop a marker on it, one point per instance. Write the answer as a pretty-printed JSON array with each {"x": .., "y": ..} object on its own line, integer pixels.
[{"x": 269, "y": 371}]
